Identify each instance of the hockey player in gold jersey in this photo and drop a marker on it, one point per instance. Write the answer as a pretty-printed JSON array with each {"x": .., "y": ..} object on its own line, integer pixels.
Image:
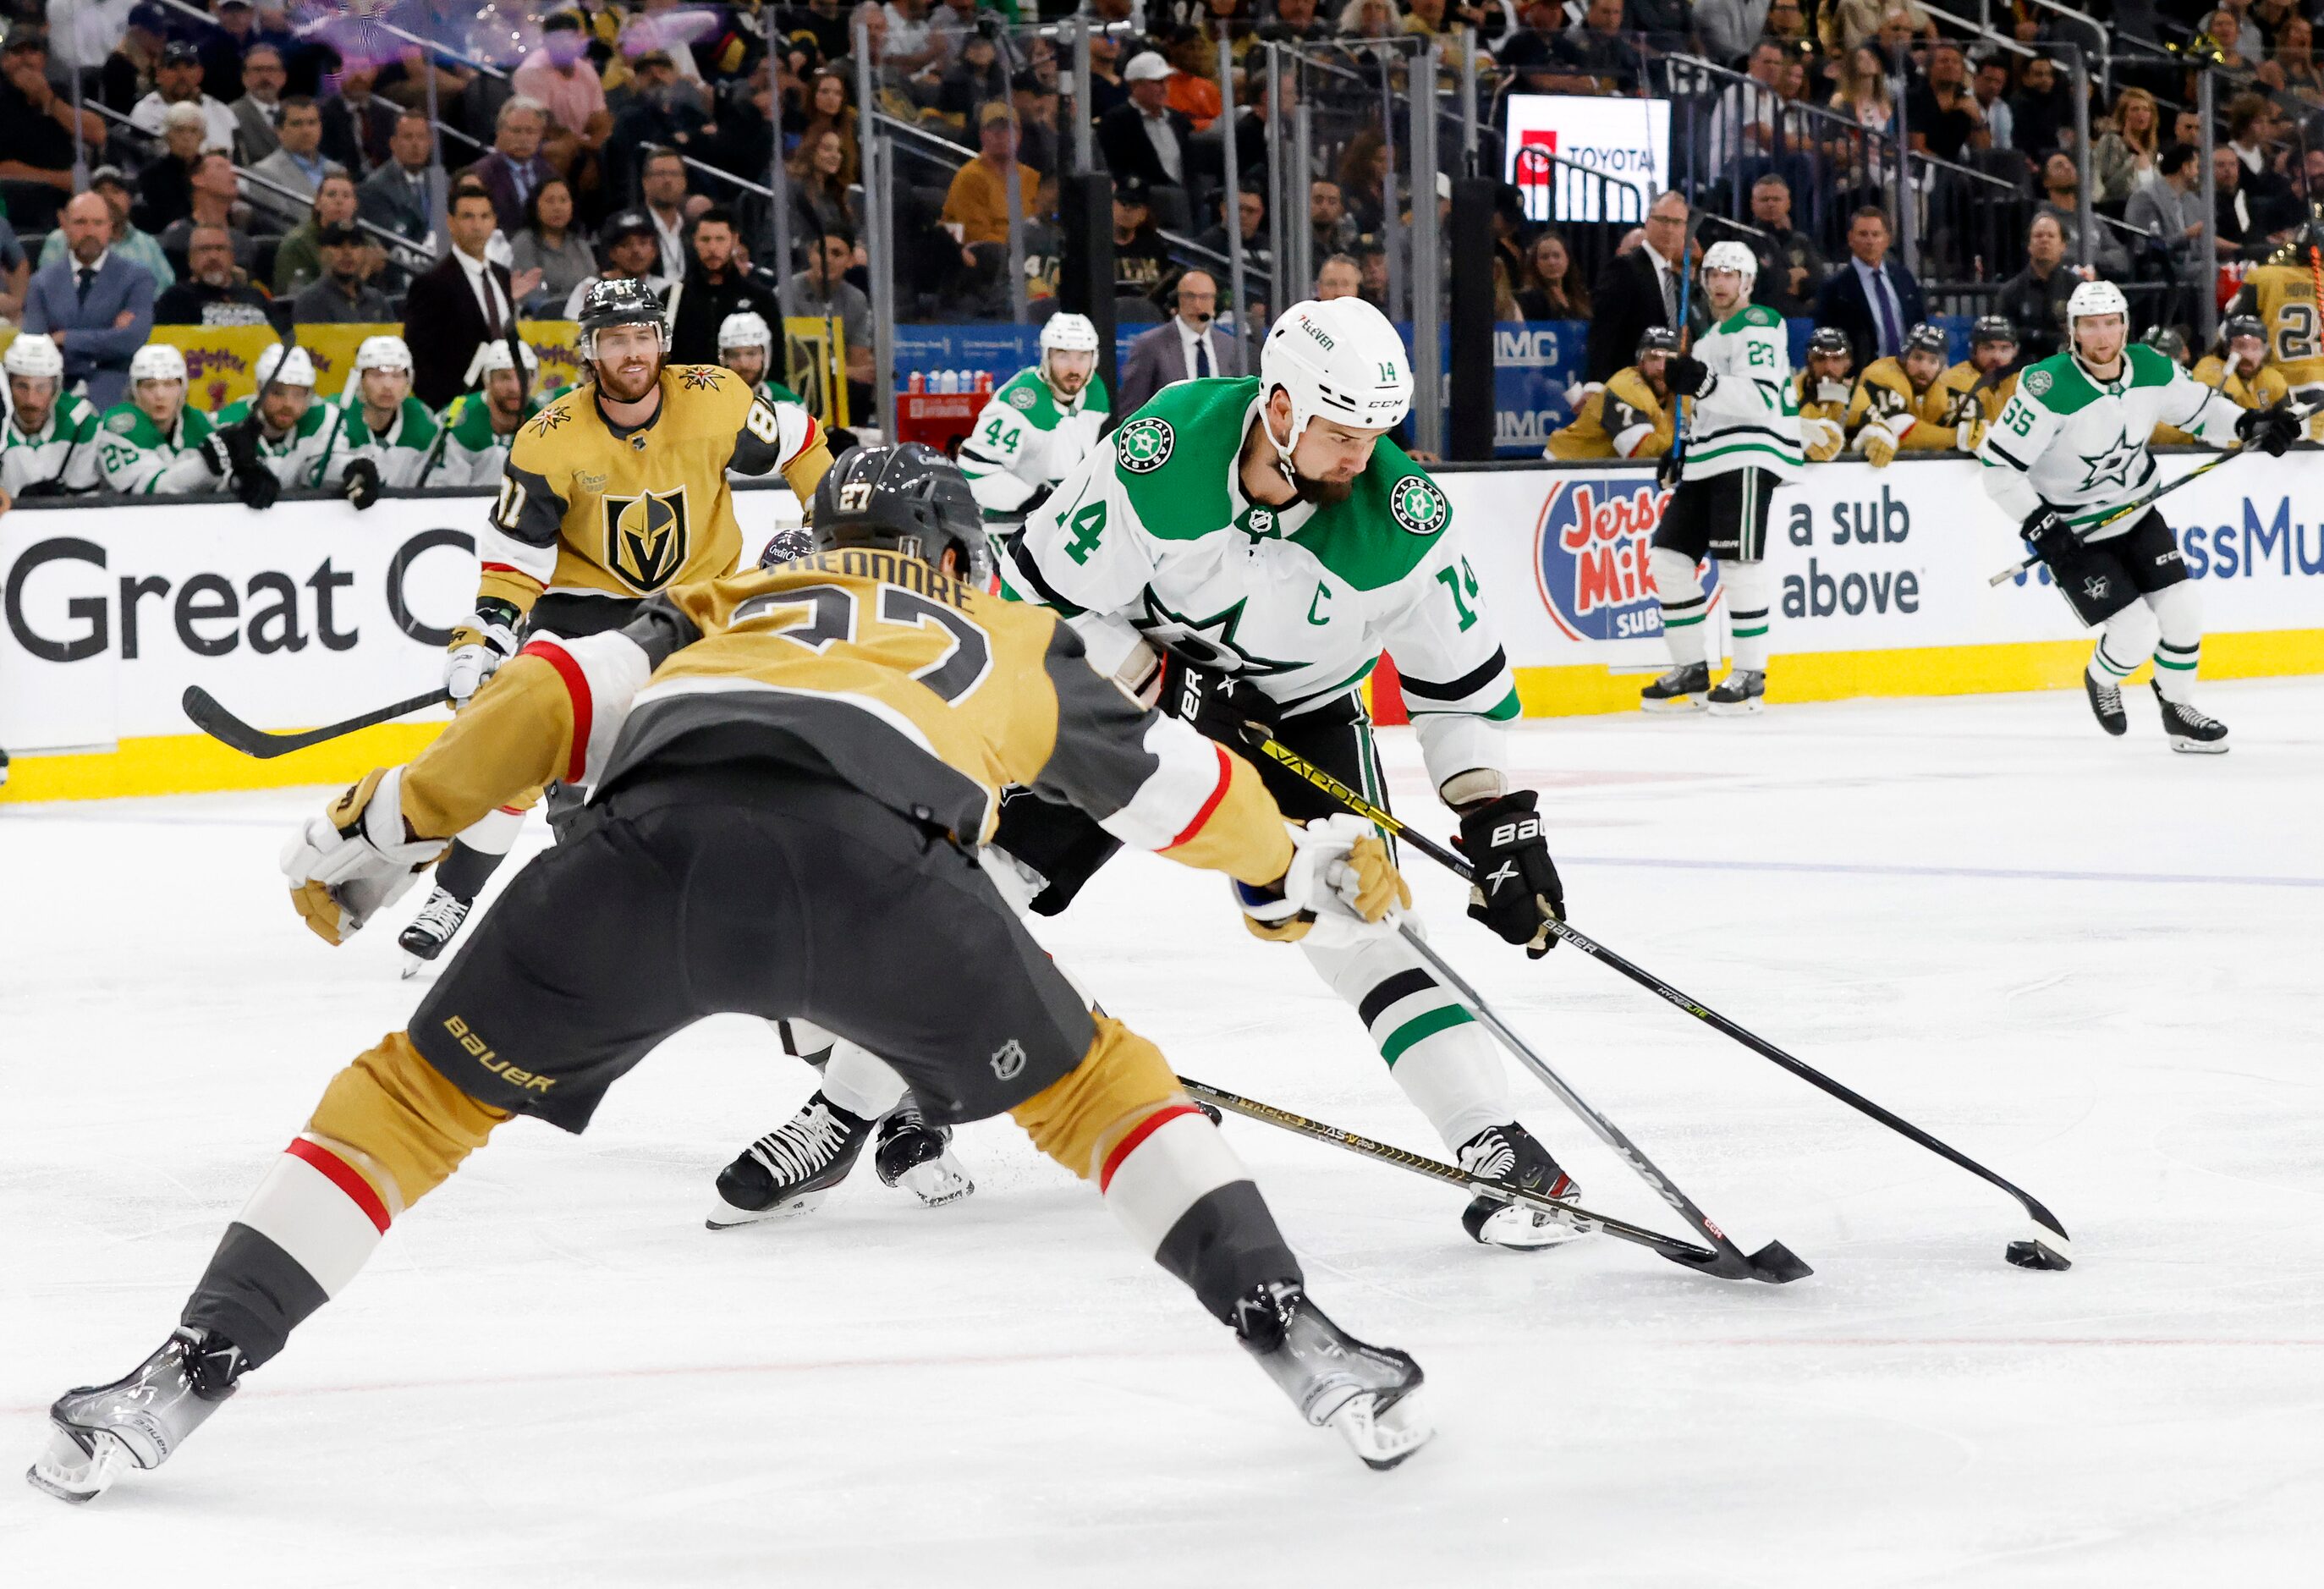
[
  {"x": 2282, "y": 296},
  {"x": 2240, "y": 369},
  {"x": 1629, "y": 417},
  {"x": 1897, "y": 404},
  {"x": 1973, "y": 392},
  {"x": 1824, "y": 388},
  {"x": 614, "y": 491},
  {"x": 792, "y": 769}
]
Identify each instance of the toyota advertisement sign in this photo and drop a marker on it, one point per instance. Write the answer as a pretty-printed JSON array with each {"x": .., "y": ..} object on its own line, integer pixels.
[{"x": 1576, "y": 158}]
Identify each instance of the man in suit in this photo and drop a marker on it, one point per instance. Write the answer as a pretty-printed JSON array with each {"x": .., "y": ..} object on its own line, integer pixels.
[
  {"x": 1638, "y": 291},
  {"x": 1871, "y": 298},
  {"x": 394, "y": 198},
  {"x": 514, "y": 168},
  {"x": 1185, "y": 348},
  {"x": 296, "y": 166},
  {"x": 259, "y": 110},
  {"x": 463, "y": 301},
  {"x": 358, "y": 126},
  {"x": 1145, "y": 138},
  {"x": 94, "y": 304}
]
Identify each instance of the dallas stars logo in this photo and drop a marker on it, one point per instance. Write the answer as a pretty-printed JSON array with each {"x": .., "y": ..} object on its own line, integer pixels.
[
  {"x": 1144, "y": 444},
  {"x": 2111, "y": 462},
  {"x": 1417, "y": 505},
  {"x": 1209, "y": 641}
]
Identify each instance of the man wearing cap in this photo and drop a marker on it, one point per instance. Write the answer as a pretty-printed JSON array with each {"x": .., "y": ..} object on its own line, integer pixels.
[
  {"x": 340, "y": 296},
  {"x": 177, "y": 80},
  {"x": 977, "y": 200},
  {"x": 94, "y": 304},
  {"x": 1145, "y": 138},
  {"x": 463, "y": 300},
  {"x": 1138, "y": 257},
  {"x": 628, "y": 245},
  {"x": 128, "y": 73},
  {"x": 36, "y": 130}
]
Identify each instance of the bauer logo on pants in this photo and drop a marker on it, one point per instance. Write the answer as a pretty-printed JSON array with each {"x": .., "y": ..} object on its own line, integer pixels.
[
  {"x": 1009, "y": 1059},
  {"x": 1590, "y": 556}
]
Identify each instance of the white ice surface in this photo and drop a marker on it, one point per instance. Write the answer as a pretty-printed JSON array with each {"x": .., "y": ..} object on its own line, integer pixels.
[{"x": 2090, "y": 963}]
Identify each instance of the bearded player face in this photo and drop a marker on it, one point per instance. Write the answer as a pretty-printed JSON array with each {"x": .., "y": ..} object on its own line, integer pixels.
[{"x": 627, "y": 360}]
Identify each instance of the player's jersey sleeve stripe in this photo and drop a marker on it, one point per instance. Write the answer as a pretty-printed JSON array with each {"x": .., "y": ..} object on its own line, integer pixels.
[
  {"x": 1021, "y": 561},
  {"x": 344, "y": 1175},
  {"x": 603, "y": 675},
  {"x": 1138, "y": 1133},
  {"x": 2003, "y": 453},
  {"x": 577, "y": 689},
  {"x": 1468, "y": 684},
  {"x": 1218, "y": 793}
]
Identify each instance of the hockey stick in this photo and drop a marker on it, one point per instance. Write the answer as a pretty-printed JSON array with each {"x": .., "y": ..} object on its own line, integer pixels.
[
  {"x": 2188, "y": 478},
  {"x": 227, "y": 729},
  {"x": 1566, "y": 1214},
  {"x": 1275, "y": 751}
]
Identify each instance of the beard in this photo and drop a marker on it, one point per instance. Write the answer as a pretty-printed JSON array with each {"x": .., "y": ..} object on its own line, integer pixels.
[
  {"x": 613, "y": 384},
  {"x": 1321, "y": 494}
]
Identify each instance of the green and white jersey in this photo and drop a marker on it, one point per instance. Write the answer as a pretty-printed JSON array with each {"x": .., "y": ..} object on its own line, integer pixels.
[
  {"x": 472, "y": 453},
  {"x": 1025, "y": 440},
  {"x": 137, "y": 458},
  {"x": 1151, "y": 536},
  {"x": 298, "y": 457},
  {"x": 399, "y": 451},
  {"x": 2079, "y": 444},
  {"x": 1748, "y": 416},
  {"x": 64, "y": 449}
]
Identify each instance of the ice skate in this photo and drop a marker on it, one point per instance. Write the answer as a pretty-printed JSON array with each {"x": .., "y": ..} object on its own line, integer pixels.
[
  {"x": 1364, "y": 1392},
  {"x": 437, "y": 921},
  {"x": 1743, "y": 693},
  {"x": 2190, "y": 731},
  {"x": 792, "y": 1168},
  {"x": 917, "y": 1156},
  {"x": 138, "y": 1420},
  {"x": 2106, "y": 705},
  {"x": 1510, "y": 1153},
  {"x": 1681, "y": 689}
]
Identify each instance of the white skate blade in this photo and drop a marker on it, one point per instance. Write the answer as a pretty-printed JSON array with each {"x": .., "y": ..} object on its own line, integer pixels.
[
  {"x": 1673, "y": 706},
  {"x": 2197, "y": 747},
  {"x": 1383, "y": 1438},
  {"x": 940, "y": 1180},
  {"x": 1750, "y": 706},
  {"x": 74, "y": 1473},
  {"x": 725, "y": 1216},
  {"x": 412, "y": 966},
  {"x": 1529, "y": 1230}
]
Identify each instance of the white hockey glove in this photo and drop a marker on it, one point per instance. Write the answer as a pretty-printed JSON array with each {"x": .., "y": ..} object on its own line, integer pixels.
[
  {"x": 1341, "y": 884},
  {"x": 355, "y": 859},
  {"x": 1824, "y": 439},
  {"x": 479, "y": 647},
  {"x": 1877, "y": 443}
]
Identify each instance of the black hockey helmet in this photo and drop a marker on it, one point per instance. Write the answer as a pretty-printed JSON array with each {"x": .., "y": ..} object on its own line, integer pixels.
[
  {"x": 1990, "y": 329},
  {"x": 1829, "y": 341},
  {"x": 619, "y": 300},
  {"x": 2236, "y": 326},
  {"x": 2166, "y": 341},
  {"x": 1656, "y": 339},
  {"x": 907, "y": 498},
  {"x": 1925, "y": 338}
]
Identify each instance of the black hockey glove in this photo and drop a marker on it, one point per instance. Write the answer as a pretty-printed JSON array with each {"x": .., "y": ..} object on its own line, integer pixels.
[
  {"x": 1688, "y": 375},
  {"x": 1220, "y": 706},
  {"x": 255, "y": 486},
  {"x": 40, "y": 488},
  {"x": 362, "y": 485},
  {"x": 2271, "y": 430},
  {"x": 2046, "y": 531},
  {"x": 1666, "y": 469},
  {"x": 1515, "y": 889}
]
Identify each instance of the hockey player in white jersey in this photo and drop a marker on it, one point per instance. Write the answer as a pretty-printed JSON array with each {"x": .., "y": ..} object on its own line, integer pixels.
[
  {"x": 47, "y": 445},
  {"x": 746, "y": 345},
  {"x": 280, "y": 428},
  {"x": 1242, "y": 552},
  {"x": 1742, "y": 439},
  {"x": 153, "y": 444},
  {"x": 2068, "y": 453},
  {"x": 386, "y": 434},
  {"x": 1039, "y": 423},
  {"x": 472, "y": 444}
]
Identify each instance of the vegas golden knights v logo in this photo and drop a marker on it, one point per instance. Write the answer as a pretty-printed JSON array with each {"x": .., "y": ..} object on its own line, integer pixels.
[{"x": 645, "y": 538}]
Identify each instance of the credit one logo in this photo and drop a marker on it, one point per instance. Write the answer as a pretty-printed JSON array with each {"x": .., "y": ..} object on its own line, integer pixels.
[{"x": 1592, "y": 547}]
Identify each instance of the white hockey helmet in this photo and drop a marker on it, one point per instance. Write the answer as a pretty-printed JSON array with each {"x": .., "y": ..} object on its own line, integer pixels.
[
  {"x": 289, "y": 367},
  {"x": 748, "y": 328},
  {"x": 1063, "y": 333},
  {"x": 1731, "y": 255},
  {"x": 34, "y": 357},
  {"x": 493, "y": 356},
  {"x": 1338, "y": 360},
  {"x": 156, "y": 361},
  {"x": 2096, "y": 298},
  {"x": 383, "y": 353}
]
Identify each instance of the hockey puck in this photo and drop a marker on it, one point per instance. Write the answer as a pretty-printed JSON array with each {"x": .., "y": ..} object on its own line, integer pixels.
[{"x": 2036, "y": 1254}]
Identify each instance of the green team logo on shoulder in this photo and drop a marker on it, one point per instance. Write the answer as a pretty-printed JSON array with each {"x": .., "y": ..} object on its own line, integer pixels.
[
  {"x": 1418, "y": 505},
  {"x": 121, "y": 424},
  {"x": 1023, "y": 397},
  {"x": 2037, "y": 382},
  {"x": 1144, "y": 444}
]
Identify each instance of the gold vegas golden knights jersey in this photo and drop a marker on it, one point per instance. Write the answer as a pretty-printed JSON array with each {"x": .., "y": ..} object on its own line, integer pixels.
[
  {"x": 1824, "y": 400},
  {"x": 1915, "y": 419},
  {"x": 2262, "y": 390},
  {"x": 1965, "y": 392},
  {"x": 585, "y": 507},
  {"x": 925, "y": 695},
  {"x": 2284, "y": 297},
  {"x": 1622, "y": 419}
]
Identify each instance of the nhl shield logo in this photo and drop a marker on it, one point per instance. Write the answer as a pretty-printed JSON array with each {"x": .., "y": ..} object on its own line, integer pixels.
[
  {"x": 1009, "y": 1059},
  {"x": 1417, "y": 505},
  {"x": 646, "y": 537},
  {"x": 1144, "y": 444}
]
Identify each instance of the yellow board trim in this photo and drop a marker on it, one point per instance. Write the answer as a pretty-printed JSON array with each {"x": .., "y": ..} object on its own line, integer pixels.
[
  {"x": 195, "y": 763},
  {"x": 1963, "y": 670}
]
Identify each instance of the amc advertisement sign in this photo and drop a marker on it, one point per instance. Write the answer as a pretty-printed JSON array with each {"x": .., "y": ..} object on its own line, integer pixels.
[{"x": 1622, "y": 147}]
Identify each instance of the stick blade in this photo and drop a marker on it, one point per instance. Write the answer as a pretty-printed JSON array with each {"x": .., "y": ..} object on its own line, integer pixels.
[{"x": 202, "y": 709}]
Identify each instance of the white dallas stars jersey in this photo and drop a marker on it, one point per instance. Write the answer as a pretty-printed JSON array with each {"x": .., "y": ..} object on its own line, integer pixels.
[
  {"x": 1152, "y": 536},
  {"x": 304, "y": 453},
  {"x": 1748, "y": 416},
  {"x": 1025, "y": 440},
  {"x": 2079, "y": 444},
  {"x": 140, "y": 460},
  {"x": 63, "y": 450},
  {"x": 401, "y": 452}
]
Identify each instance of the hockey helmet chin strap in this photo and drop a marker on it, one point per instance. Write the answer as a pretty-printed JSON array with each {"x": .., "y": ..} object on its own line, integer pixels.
[{"x": 1283, "y": 464}]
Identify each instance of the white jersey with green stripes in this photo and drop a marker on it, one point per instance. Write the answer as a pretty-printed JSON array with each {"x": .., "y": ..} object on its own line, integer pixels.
[
  {"x": 2079, "y": 444},
  {"x": 1027, "y": 439},
  {"x": 1748, "y": 415},
  {"x": 1151, "y": 537},
  {"x": 63, "y": 450},
  {"x": 138, "y": 458},
  {"x": 300, "y": 455},
  {"x": 400, "y": 450},
  {"x": 473, "y": 451}
]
